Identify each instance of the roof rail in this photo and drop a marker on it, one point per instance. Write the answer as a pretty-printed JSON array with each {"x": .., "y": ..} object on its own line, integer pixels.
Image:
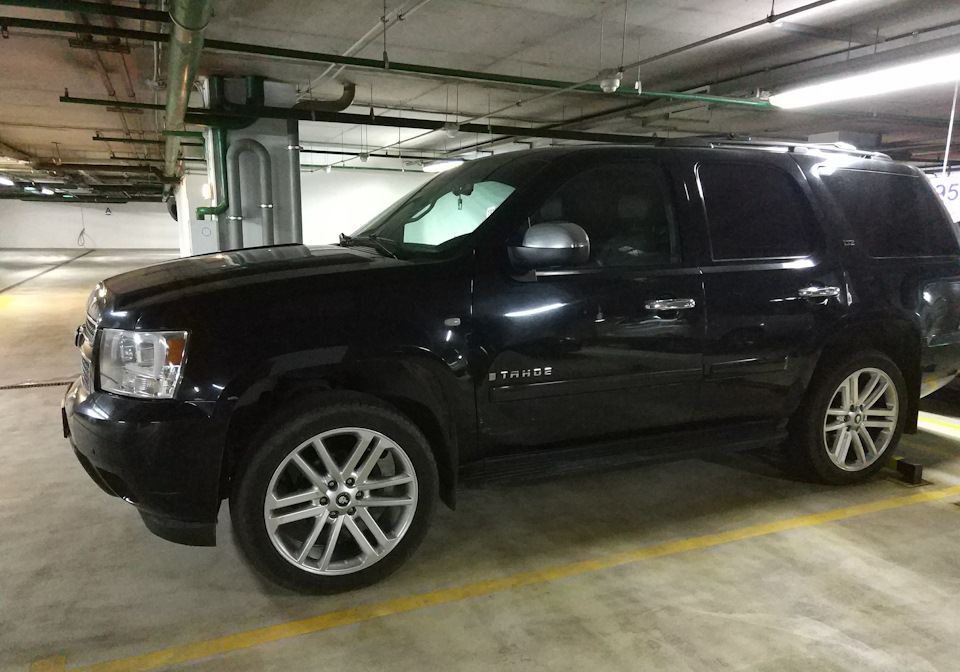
[{"x": 744, "y": 142}]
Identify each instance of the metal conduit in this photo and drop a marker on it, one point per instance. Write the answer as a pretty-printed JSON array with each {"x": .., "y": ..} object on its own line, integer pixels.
[
  {"x": 295, "y": 232},
  {"x": 190, "y": 18},
  {"x": 234, "y": 238}
]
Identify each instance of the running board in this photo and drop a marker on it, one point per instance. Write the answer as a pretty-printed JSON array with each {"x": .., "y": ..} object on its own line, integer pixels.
[{"x": 549, "y": 464}]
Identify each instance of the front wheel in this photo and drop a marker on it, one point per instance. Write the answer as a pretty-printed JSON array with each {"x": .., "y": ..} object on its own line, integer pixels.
[
  {"x": 337, "y": 496},
  {"x": 852, "y": 419}
]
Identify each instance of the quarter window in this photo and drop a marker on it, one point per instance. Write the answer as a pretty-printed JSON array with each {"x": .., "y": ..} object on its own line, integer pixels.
[
  {"x": 756, "y": 212},
  {"x": 892, "y": 215},
  {"x": 623, "y": 208}
]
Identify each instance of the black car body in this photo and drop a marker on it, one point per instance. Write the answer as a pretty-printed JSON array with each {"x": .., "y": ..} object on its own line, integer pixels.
[{"x": 757, "y": 265}]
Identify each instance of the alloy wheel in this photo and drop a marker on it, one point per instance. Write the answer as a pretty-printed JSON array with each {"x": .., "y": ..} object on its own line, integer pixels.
[
  {"x": 340, "y": 501},
  {"x": 861, "y": 419}
]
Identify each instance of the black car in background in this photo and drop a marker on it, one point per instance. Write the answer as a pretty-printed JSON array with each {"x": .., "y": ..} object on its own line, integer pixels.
[{"x": 522, "y": 311}]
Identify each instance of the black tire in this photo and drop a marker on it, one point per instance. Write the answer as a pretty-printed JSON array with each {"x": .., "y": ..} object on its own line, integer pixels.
[
  {"x": 288, "y": 431},
  {"x": 808, "y": 442}
]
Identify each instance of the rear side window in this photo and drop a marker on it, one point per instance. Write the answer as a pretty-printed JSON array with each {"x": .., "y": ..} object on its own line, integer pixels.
[
  {"x": 756, "y": 211},
  {"x": 892, "y": 215}
]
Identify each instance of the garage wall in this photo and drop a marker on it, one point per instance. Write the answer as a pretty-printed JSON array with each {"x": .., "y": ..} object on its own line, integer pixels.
[
  {"x": 344, "y": 200},
  {"x": 57, "y": 225}
]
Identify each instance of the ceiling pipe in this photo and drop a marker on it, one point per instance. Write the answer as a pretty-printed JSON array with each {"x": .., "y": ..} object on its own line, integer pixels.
[
  {"x": 343, "y": 102},
  {"x": 95, "y": 8},
  {"x": 399, "y": 14},
  {"x": 190, "y": 18},
  {"x": 213, "y": 118},
  {"x": 372, "y": 64}
]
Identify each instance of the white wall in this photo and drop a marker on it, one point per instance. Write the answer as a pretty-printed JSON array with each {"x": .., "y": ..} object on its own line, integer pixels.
[
  {"x": 344, "y": 200},
  {"x": 57, "y": 225},
  {"x": 196, "y": 236}
]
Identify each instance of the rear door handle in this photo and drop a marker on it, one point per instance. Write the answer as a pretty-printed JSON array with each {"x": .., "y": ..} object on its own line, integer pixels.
[
  {"x": 670, "y": 304},
  {"x": 819, "y": 292}
]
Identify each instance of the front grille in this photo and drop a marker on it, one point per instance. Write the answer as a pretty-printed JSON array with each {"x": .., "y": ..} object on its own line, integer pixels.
[
  {"x": 89, "y": 329},
  {"x": 85, "y": 372}
]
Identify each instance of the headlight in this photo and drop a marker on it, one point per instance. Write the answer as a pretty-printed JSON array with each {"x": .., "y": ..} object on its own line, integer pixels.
[{"x": 146, "y": 364}]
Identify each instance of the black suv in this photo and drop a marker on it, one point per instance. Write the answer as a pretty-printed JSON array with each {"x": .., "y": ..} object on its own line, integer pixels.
[{"x": 525, "y": 314}]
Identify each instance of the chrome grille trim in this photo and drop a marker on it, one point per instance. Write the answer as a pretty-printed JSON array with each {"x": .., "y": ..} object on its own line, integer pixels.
[{"x": 85, "y": 368}]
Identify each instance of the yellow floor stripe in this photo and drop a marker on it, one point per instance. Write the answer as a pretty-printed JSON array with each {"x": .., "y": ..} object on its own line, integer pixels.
[
  {"x": 242, "y": 640},
  {"x": 55, "y": 664},
  {"x": 932, "y": 421}
]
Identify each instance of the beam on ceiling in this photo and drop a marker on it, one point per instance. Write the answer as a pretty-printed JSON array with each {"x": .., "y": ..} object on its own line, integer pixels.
[
  {"x": 97, "y": 8},
  {"x": 11, "y": 152},
  {"x": 205, "y": 117},
  {"x": 135, "y": 141},
  {"x": 373, "y": 64}
]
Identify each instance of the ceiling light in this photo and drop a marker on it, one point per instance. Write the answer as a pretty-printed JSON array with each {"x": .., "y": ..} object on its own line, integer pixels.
[
  {"x": 206, "y": 190},
  {"x": 6, "y": 181},
  {"x": 897, "y": 78},
  {"x": 451, "y": 129},
  {"x": 46, "y": 192},
  {"x": 609, "y": 80},
  {"x": 327, "y": 168},
  {"x": 440, "y": 166},
  {"x": 29, "y": 187},
  {"x": 68, "y": 196}
]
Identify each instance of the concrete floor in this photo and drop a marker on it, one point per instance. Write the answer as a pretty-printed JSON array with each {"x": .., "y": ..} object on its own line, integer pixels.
[{"x": 81, "y": 577}]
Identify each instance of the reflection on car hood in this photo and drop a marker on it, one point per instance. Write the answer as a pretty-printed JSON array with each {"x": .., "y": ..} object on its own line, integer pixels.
[{"x": 233, "y": 266}]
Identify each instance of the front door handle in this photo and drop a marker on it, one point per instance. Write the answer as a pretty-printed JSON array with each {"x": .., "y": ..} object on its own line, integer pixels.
[
  {"x": 670, "y": 304},
  {"x": 819, "y": 292}
]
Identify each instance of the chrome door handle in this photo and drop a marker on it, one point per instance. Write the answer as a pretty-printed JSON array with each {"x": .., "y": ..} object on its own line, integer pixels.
[
  {"x": 819, "y": 292},
  {"x": 670, "y": 304}
]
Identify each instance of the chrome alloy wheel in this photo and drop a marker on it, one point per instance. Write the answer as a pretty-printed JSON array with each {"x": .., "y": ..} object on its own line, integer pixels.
[
  {"x": 341, "y": 501},
  {"x": 861, "y": 419}
]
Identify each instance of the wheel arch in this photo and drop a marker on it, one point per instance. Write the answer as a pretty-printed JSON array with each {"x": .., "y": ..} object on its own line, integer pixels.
[
  {"x": 418, "y": 387},
  {"x": 899, "y": 339}
]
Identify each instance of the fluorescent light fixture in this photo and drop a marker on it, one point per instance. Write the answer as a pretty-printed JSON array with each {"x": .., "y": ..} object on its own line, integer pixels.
[
  {"x": 46, "y": 192},
  {"x": 897, "y": 78},
  {"x": 6, "y": 181},
  {"x": 440, "y": 166},
  {"x": 29, "y": 187},
  {"x": 68, "y": 196}
]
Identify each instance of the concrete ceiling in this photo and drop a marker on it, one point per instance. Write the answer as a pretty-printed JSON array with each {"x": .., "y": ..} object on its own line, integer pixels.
[{"x": 548, "y": 39}]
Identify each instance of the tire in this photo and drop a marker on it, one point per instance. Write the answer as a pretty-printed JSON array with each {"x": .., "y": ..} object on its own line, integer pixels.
[
  {"x": 319, "y": 457},
  {"x": 821, "y": 424}
]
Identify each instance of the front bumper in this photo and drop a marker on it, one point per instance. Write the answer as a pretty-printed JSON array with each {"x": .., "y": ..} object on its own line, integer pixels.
[{"x": 163, "y": 457}]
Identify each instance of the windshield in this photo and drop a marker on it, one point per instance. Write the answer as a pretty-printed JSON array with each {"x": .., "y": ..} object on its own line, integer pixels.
[{"x": 440, "y": 215}]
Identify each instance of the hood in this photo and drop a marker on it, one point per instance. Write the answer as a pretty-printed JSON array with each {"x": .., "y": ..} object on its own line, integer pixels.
[{"x": 195, "y": 272}]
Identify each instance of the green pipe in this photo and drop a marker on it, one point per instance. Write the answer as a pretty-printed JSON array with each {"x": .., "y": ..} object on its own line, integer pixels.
[
  {"x": 190, "y": 18},
  {"x": 221, "y": 118},
  {"x": 184, "y": 134},
  {"x": 135, "y": 141},
  {"x": 220, "y": 148},
  {"x": 386, "y": 170},
  {"x": 103, "y": 9},
  {"x": 375, "y": 64}
]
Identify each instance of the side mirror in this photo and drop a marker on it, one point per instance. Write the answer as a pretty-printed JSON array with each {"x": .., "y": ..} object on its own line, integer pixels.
[{"x": 551, "y": 244}]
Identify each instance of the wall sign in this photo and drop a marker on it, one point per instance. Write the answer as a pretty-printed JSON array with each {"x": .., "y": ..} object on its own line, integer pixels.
[{"x": 949, "y": 190}]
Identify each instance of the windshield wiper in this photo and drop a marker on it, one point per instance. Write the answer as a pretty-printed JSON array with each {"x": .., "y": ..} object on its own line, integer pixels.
[{"x": 378, "y": 242}]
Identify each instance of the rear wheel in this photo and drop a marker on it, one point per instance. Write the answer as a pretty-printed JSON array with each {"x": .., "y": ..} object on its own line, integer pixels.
[
  {"x": 337, "y": 496},
  {"x": 852, "y": 419}
]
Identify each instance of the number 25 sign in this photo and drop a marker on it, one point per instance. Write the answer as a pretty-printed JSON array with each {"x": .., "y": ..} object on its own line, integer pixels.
[{"x": 949, "y": 190}]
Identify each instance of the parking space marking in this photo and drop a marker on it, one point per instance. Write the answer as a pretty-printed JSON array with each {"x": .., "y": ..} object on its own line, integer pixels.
[
  {"x": 924, "y": 417},
  {"x": 242, "y": 640},
  {"x": 55, "y": 664}
]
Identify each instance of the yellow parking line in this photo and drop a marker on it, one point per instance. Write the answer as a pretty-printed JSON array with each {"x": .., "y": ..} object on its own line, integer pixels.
[
  {"x": 241, "y": 640},
  {"x": 55, "y": 664},
  {"x": 924, "y": 418}
]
